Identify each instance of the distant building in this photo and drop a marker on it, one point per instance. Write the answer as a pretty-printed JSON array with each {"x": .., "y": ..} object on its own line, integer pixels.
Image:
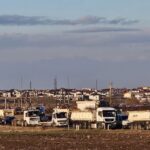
[{"x": 128, "y": 95}]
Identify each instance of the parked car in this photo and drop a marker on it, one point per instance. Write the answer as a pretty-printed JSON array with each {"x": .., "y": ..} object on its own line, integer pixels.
[{"x": 7, "y": 120}]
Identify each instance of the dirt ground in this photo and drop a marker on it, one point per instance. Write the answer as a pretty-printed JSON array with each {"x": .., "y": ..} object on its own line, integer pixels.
[{"x": 36, "y": 138}]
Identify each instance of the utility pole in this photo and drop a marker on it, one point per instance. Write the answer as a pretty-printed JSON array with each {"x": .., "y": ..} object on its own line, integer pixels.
[
  {"x": 55, "y": 83},
  {"x": 30, "y": 85},
  {"x": 21, "y": 91},
  {"x": 21, "y": 82},
  {"x": 96, "y": 84},
  {"x": 110, "y": 93},
  {"x": 5, "y": 103},
  {"x": 68, "y": 82}
]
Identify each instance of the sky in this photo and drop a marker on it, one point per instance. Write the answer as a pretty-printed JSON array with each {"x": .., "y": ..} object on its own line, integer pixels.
[{"x": 78, "y": 42}]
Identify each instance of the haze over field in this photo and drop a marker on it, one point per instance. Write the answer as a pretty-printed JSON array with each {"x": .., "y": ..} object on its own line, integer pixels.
[{"x": 77, "y": 41}]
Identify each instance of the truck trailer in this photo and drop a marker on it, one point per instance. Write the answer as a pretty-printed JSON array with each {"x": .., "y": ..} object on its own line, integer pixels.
[{"x": 138, "y": 120}]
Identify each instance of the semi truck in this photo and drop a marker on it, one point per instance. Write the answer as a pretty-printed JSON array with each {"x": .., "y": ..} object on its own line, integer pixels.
[
  {"x": 137, "y": 120},
  {"x": 102, "y": 117}
]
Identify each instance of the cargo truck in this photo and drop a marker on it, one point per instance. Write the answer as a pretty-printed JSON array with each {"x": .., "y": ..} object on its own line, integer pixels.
[{"x": 102, "y": 117}]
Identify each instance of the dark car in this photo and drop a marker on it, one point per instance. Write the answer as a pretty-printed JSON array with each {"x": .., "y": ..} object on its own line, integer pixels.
[{"x": 7, "y": 120}]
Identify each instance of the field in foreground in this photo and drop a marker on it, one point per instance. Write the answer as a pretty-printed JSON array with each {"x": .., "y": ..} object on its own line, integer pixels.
[{"x": 62, "y": 139}]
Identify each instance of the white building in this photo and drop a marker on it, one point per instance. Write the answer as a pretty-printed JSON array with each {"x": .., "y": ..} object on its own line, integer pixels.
[{"x": 128, "y": 95}]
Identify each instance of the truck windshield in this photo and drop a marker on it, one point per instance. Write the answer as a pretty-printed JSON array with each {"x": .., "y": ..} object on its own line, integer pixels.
[
  {"x": 109, "y": 113},
  {"x": 33, "y": 113},
  {"x": 62, "y": 115}
]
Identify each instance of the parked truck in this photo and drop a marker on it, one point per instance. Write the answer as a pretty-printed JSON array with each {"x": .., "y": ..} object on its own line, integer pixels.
[
  {"x": 29, "y": 117},
  {"x": 102, "y": 117},
  {"x": 58, "y": 118},
  {"x": 138, "y": 120}
]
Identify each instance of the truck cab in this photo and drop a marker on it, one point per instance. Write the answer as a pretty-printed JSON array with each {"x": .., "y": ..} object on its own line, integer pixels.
[
  {"x": 31, "y": 117},
  {"x": 106, "y": 116},
  {"x": 60, "y": 117}
]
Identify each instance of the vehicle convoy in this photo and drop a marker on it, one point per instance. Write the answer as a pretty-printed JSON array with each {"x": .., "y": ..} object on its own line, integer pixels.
[
  {"x": 29, "y": 117},
  {"x": 137, "y": 120},
  {"x": 101, "y": 117}
]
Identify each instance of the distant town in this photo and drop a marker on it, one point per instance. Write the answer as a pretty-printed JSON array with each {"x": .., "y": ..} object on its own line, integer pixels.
[{"x": 119, "y": 96}]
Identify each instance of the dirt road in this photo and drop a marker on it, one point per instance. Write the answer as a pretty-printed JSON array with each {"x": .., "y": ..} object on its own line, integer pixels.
[{"x": 52, "y": 139}]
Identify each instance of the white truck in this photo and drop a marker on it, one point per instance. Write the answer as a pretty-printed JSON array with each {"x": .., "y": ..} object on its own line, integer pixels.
[
  {"x": 102, "y": 117},
  {"x": 59, "y": 118},
  {"x": 138, "y": 119},
  {"x": 29, "y": 117}
]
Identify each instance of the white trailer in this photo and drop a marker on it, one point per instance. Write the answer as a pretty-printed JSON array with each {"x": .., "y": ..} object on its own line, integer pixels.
[
  {"x": 138, "y": 119},
  {"x": 83, "y": 105},
  {"x": 102, "y": 117}
]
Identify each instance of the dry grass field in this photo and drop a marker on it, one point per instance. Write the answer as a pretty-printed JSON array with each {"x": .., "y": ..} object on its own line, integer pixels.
[{"x": 36, "y": 138}]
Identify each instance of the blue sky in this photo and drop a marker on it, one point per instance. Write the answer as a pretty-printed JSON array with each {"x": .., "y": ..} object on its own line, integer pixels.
[{"x": 79, "y": 40}]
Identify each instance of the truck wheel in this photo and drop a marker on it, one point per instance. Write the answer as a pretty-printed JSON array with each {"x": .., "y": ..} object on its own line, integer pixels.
[
  {"x": 53, "y": 125},
  {"x": 14, "y": 123},
  {"x": 132, "y": 126},
  {"x": 77, "y": 126},
  {"x": 22, "y": 123},
  {"x": 146, "y": 126},
  {"x": 149, "y": 125},
  {"x": 139, "y": 126},
  {"x": 100, "y": 126},
  {"x": 74, "y": 125},
  {"x": 25, "y": 124}
]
